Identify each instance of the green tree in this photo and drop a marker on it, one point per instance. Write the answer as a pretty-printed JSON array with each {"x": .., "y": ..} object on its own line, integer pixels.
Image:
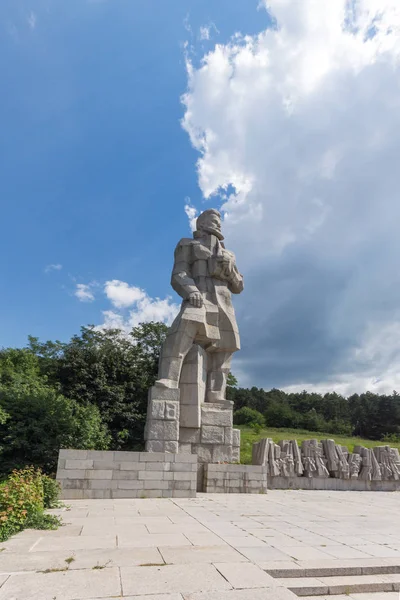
[
  {"x": 248, "y": 416},
  {"x": 17, "y": 363},
  {"x": 40, "y": 422},
  {"x": 109, "y": 370},
  {"x": 231, "y": 380}
]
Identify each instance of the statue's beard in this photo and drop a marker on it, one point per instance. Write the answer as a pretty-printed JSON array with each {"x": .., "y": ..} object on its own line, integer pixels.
[{"x": 213, "y": 231}]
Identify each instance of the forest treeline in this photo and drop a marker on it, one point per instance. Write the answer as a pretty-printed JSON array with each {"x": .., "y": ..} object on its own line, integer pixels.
[
  {"x": 91, "y": 392},
  {"x": 367, "y": 415}
]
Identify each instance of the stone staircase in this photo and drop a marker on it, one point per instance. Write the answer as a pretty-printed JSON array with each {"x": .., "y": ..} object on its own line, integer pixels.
[{"x": 373, "y": 582}]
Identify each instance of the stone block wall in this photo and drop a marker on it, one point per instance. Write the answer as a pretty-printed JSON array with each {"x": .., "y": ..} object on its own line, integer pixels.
[
  {"x": 91, "y": 474},
  {"x": 215, "y": 441},
  {"x": 235, "y": 479}
]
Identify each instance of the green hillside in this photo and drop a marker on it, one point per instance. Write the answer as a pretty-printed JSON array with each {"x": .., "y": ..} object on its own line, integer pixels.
[{"x": 249, "y": 436}]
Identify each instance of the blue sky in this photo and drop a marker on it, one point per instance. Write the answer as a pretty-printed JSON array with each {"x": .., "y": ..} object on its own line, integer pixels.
[
  {"x": 115, "y": 114},
  {"x": 95, "y": 165}
]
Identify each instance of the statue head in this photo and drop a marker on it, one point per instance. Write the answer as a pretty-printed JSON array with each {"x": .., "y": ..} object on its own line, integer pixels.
[{"x": 210, "y": 222}]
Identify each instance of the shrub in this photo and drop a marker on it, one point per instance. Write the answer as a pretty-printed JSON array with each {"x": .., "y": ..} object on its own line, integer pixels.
[
  {"x": 51, "y": 492},
  {"x": 22, "y": 503},
  {"x": 20, "y": 497},
  {"x": 248, "y": 416},
  {"x": 41, "y": 421},
  {"x": 281, "y": 415},
  {"x": 390, "y": 438}
]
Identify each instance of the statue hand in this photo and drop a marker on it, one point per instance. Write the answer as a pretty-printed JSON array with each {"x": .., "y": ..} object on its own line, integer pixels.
[
  {"x": 226, "y": 266},
  {"x": 195, "y": 299}
]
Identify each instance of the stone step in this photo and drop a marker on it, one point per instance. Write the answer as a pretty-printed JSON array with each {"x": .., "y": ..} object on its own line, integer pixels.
[
  {"x": 366, "y": 596},
  {"x": 344, "y": 584},
  {"x": 332, "y": 569}
]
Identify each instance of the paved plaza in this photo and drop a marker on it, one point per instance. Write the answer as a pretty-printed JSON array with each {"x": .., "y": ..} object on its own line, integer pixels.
[{"x": 274, "y": 546}]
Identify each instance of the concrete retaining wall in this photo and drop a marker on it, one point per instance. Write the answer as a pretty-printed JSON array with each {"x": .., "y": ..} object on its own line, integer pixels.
[
  {"x": 330, "y": 483},
  {"x": 101, "y": 474},
  {"x": 235, "y": 479}
]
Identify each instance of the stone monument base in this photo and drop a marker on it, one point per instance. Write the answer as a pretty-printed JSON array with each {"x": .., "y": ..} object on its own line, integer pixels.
[{"x": 214, "y": 441}]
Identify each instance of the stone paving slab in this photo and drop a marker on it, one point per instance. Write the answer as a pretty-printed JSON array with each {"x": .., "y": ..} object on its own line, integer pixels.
[
  {"x": 68, "y": 585},
  {"x": 13, "y": 562},
  {"x": 172, "y": 578},
  {"x": 147, "y": 597},
  {"x": 152, "y": 540},
  {"x": 245, "y": 575},
  {"x": 214, "y": 547},
  {"x": 200, "y": 554}
]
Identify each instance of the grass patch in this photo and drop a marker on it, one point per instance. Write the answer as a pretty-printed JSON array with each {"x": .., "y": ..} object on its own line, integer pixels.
[{"x": 248, "y": 437}]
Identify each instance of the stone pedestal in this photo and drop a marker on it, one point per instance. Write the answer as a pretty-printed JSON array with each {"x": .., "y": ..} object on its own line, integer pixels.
[
  {"x": 179, "y": 420},
  {"x": 215, "y": 441},
  {"x": 162, "y": 425}
]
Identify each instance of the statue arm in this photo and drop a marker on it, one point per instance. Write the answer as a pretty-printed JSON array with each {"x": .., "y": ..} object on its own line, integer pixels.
[
  {"x": 181, "y": 279},
  {"x": 236, "y": 284}
]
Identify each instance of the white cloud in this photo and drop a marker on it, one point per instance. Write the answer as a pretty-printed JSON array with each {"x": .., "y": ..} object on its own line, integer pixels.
[
  {"x": 205, "y": 31},
  {"x": 32, "y": 20},
  {"x": 50, "y": 268},
  {"x": 191, "y": 213},
  {"x": 84, "y": 292},
  {"x": 298, "y": 130},
  {"x": 121, "y": 294},
  {"x": 187, "y": 25},
  {"x": 143, "y": 308}
]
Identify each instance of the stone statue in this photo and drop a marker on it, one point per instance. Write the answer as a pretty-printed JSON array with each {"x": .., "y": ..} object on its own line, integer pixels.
[
  {"x": 187, "y": 410},
  {"x": 204, "y": 275}
]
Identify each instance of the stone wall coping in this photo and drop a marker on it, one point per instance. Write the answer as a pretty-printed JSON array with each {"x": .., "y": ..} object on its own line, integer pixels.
[
  {"x": 232, "y": 468},
  {"x": 119, "y": 456}
]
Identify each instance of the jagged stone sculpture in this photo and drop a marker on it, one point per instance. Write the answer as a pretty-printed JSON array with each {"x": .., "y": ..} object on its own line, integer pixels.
[
  {"x": 298, "y": 463},
  {"x": 389, "y": 462},
  {"x": 327, "y": 459},
  {"x": 344, "y": 469},
  {"x": 337, "y": 464},
  {"x": 187, "y": 410},
  {"x": 354, "y": 465},
  {"x": 366, "y": 462},
  {"x": 313, "y": 462},
  {"x": 281, "y": 459},
  {"x": 260, "y": 452},
  {"x": 287, "y": 459}
]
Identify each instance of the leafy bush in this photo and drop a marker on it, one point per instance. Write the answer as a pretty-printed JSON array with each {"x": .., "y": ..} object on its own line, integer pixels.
[
  {"x": 339, "y": 427},
  {"x": 390, "y": 438},
  {"x": 51, "y": 492},
  {"x": 248, "y": 416},
  {"x": 22, "y": 503},
  {"x": 41, "y": 520},
  {"x": 256, "y": 427},
  {"x": 41, "y": 421}
]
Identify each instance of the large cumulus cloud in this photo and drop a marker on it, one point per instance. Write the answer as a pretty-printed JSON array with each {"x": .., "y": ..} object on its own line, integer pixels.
[{"x": 298, "y": 130}]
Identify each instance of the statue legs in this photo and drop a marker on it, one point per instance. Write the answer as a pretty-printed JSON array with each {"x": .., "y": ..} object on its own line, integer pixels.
[
  {"x": 218, "y": 367},
  {"x": 179, "y": 341}
]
